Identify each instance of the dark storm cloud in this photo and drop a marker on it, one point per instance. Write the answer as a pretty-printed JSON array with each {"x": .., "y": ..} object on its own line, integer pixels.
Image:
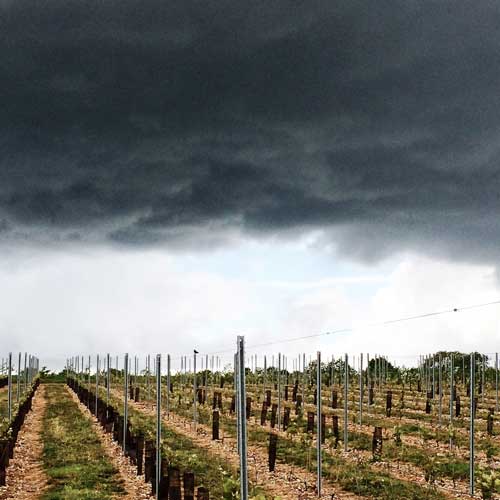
[{"x": 151, "y": 122}]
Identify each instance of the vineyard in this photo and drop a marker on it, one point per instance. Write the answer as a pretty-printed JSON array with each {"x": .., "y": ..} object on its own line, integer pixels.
[{"x": 358, "y": 427}]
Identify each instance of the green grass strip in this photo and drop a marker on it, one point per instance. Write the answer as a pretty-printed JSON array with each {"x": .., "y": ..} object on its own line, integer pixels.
[{"x": 73, "y": 455}]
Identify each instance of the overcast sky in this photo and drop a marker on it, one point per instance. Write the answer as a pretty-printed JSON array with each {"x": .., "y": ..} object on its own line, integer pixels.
[{"x": 175, "y": 173}]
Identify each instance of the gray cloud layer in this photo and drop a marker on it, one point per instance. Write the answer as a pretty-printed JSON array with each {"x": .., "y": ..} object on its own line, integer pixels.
[{"x": 151, "y": 122}]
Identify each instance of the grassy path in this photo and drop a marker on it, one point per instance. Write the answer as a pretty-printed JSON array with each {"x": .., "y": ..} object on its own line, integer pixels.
[{"x": 73, "y": 456}]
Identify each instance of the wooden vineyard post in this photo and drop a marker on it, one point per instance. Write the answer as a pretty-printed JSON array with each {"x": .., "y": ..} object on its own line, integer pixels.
[
  {"x": 428, "y": 403},
  {"x": 346, "y": 395},
  {"x": 298, "y": 404},
  {"x": 125, "y": 400},
  {"x": 163, "y": 481},
  {"x": 319, "y": 433},
  {"x": 471, "y": 423},
  {"x": 242, "y": 423},
  {"x": 188, "y": 483},
  {"x": 248, "y": 409},
  {"x": 158, "y": 424},
  {"x": 335, "y": 425},
  {"x": 310, "y": 421},
  {"x": 202, "y": 494},
  {"x": 489, "y": 422},
  {"x": 388, "y": 403},
  {"x": 215, "y": 425},
  {"x": 286, "y": 418},
  {"x": 273, "y": 445},
  {"x": 334, "y": 399},
  {"x": 377, "y": 443},
  {"x": 174, "y": 483},
  {"x": 457, "y": 406},
  {"x": 140, "y": 454}
]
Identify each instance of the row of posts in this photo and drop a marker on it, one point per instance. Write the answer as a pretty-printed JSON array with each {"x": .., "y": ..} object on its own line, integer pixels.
[
  {"x": 427, "y": 374},
  {"x": 24, "y": 379}
]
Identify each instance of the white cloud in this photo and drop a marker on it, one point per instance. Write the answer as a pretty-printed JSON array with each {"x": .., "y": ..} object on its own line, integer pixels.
[{"x": 62, "y": 304}]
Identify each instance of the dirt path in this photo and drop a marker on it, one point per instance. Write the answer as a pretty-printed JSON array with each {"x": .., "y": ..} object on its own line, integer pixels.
[
  {"x": 26, "y": 479},
  {"x": 134, "y": 485}
]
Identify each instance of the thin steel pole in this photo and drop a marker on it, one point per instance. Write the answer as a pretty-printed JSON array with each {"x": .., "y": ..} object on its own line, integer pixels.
[
  {"x": 25, "y": 372},
  {"x": 496, "y": 382},
  {"x": 361, "y": 389},
  {"x": 242, "y": 419},
  {"x": 97, "y": 383},
  {"x": 440, "y": 383},
  {"x": 10, "y": 388},
  {"x": 236, "y": 397},
  {"x": 158, "y": 424},
  {"x": 483, "y": 371},
  {"x": 472, "y": 417},
  {"x": 303, "y": 378},
  {"x": 368, "y": 382},
  {"x": 318, "y": 427},
  {"x": 346, "y": 393},
  {"x": 148, "y": 375},
  {"x": 125, "y": 400},
  {"x": 451, "y": 389},
  {"x": 168, "y": 385},
  {"x": 279, "y": 391},
  {"x": 195, "y": 415},
  {"x": 18, "y": 385},
  {"x": 108, "y": 378}
]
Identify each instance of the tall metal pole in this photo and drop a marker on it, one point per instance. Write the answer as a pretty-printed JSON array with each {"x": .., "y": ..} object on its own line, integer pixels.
[
  {"x": 242, "y": 418},
  {"x": 125, "y": 400},
  {"x": 279, "y": 391},
  {"x": 346, "y": 393},
  {"x": 18, "y": 385},
  {"x": 195, "y": 414},
  {"x": 148, "y": 374},
  {"x": 440, "y": 383},
  {"x": 361, "y": 389},
  {"x": 483, "y": 371},
  {"x": 451, "y": 389},
  {"x": 471, "y": 430},
  {"x": 97, "y": 383},
  {"x": 168, "y": 385},
  {"x": 25, "y": 372},
  {"x": 108, "y": 381},
  {"x": 319, "y": 426},
  {"x": 303, "y": 378},
  {"x": 368, "y": 381},
  {"x": 496, "y": 382},
  {"x": 10, "y": 388},
  {"x": 158, "y": 424}
]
